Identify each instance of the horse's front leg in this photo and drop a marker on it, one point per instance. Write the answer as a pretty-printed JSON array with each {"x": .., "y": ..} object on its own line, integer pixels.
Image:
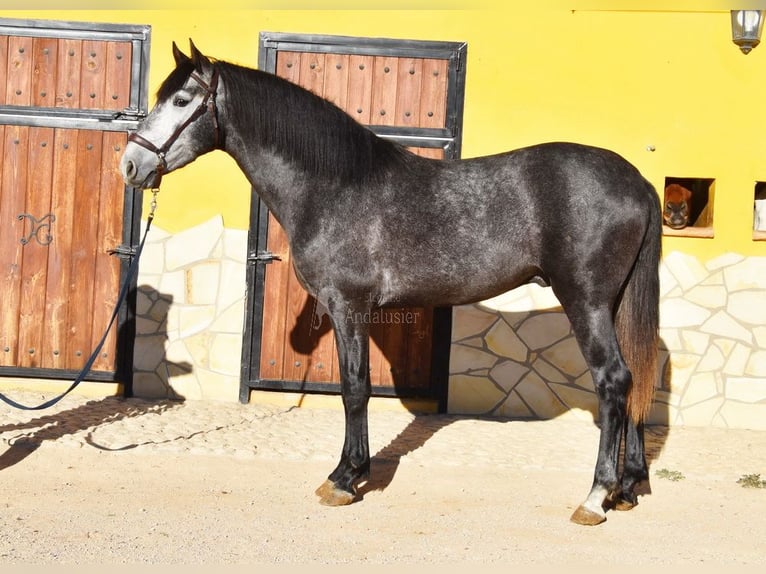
[{"x": 352, "y": 338}]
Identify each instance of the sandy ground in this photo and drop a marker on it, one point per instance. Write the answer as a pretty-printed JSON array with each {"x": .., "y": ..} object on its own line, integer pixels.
[{"x": 134, "y": 482}]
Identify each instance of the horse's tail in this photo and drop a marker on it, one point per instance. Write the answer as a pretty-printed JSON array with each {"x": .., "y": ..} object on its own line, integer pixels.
[{"x": 637, "y": 318}]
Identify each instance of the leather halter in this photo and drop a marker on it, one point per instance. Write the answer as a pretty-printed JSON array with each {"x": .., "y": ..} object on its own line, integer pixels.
[{"x": 207, "y": 103}]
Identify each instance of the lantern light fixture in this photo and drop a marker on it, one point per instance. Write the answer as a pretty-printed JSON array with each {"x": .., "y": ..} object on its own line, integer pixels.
[{"x": 746, "y": 28}]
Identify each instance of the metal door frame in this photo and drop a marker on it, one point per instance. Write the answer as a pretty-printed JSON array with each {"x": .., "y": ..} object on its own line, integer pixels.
[
  {"x": 101, "y": 120},
  {"x": 449, "y": 139}
]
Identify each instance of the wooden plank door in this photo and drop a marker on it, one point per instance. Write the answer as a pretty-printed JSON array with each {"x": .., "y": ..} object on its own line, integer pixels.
[
  {"x": 386, "y": 90},
  {"x": 62, "y": 199}
]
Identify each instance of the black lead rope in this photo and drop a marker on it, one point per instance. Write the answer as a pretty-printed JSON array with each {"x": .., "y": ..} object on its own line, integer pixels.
[{"x": 132, "y": 269}]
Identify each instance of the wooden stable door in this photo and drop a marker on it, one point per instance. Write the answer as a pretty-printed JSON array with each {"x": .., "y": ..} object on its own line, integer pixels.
[
  {"x": 62, "y": 199},
  {"x": 61, "y": 213},
  {"x": 297, "y": 345}
]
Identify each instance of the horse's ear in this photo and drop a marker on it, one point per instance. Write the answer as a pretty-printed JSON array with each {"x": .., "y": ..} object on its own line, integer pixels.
[
  {"x": 178, "y": 55},
  {"x": 198, "y": 58}
]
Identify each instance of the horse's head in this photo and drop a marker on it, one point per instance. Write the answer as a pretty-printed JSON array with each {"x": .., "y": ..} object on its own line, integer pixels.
[{"x": 182, "y": 125}]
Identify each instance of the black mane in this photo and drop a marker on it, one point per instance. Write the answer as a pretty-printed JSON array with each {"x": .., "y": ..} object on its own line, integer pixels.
[{"x": 306, "y": 129}]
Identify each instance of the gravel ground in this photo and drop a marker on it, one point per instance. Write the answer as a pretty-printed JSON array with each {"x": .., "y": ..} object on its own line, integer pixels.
[{"x": 125, "y": 481}]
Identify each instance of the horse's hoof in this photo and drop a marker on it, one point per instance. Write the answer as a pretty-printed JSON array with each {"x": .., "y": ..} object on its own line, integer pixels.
[
  {"x": 331, "y": 495},
  {"x": 587, "y": 517},
  {"x": 626, "y": 502},
  {"x": 621, "y": 504}
]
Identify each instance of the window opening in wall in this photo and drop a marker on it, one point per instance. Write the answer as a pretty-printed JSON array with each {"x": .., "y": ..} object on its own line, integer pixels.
[
  {"x": 759, "y": 211},
  {"x": 688, "y": 206}
]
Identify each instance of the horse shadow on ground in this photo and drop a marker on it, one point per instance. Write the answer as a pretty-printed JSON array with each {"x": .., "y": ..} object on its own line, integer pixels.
[
  {"x": 24, "y": 438},
  {"x": 27, "y": 436},
  {"x": 424, "y": 425}
]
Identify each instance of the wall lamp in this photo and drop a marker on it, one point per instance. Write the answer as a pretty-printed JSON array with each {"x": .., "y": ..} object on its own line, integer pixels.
[{"x": 746, "y": 28}]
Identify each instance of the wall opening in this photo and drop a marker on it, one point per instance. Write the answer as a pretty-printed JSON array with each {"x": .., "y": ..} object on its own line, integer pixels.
[
  {"x": 688, "y": 206},
  {"x": 759, "y": 211}
]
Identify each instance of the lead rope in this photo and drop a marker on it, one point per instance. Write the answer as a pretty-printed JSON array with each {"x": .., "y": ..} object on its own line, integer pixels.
[{"x": 132, "y": 270}]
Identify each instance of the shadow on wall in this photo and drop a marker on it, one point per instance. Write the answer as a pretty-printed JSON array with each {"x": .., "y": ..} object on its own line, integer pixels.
[{"x": 152, "y": 371}]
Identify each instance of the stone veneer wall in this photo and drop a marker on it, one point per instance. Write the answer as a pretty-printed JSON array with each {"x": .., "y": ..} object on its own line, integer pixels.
[
  {"x": 516, "y": 356},
  {"x": 511, "y": 356},
  {"x": 190, "y": 313}
]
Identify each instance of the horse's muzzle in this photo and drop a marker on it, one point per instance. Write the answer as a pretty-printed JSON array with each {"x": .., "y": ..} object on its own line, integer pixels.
[{"x": 131, "y": 176}]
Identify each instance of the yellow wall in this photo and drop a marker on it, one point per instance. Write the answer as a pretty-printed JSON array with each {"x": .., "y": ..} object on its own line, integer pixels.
[{"x": 537, "y": 71}]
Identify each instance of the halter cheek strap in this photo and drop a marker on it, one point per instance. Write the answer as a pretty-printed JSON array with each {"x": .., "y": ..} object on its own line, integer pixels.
[{"x": 207, "y": 104}]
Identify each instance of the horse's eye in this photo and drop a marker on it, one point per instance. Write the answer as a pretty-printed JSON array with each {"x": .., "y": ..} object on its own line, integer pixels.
[{"x": 180, "y": 102}]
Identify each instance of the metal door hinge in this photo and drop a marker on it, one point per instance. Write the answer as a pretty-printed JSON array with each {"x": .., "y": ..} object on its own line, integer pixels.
[
  {"x": 263, "y": 257},
  {"x": 132, "y": 114},
  {"x": 123, "y": 251}
]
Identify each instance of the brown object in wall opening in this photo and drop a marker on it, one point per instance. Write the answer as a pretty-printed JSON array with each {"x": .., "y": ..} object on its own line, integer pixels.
[
  {"x": 759, "y": 211},
  {"x": 699, "y": 205}
]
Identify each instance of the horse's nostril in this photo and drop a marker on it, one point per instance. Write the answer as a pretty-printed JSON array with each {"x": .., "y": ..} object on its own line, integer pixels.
[{"x": 130, "y": 168}]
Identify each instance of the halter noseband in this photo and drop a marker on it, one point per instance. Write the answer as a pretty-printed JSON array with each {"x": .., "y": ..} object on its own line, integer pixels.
[{"x": 207, "y": 103}]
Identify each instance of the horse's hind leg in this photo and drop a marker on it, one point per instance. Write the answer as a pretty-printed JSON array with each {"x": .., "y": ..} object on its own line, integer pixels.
[
  {"x": 634, "y": 465},
  {"x": 596, "y": 336},
  {"x": 352, "y": 338}
]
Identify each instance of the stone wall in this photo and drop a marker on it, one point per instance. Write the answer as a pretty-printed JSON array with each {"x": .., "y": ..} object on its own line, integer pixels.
[
  {"x": 190, "y": 307},
  {"x": 514, "y": 355}
]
